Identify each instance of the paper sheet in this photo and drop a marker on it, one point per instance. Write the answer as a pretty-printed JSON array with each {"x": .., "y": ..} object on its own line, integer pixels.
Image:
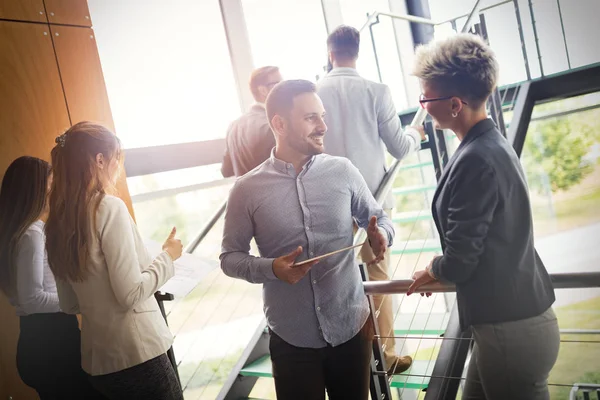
[{"x": 189, "y": 271}]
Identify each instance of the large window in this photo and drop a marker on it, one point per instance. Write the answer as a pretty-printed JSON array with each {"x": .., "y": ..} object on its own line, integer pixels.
[
  {"x": 290, "y": 34},
  {"x": 354, "y": 13},
  {"x": 167, "y": 69},
  {"x": 579, "y": 24},
  {"x": 502, "y": 29}
]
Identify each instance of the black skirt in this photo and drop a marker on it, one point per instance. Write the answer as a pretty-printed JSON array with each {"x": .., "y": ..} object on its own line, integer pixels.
[
  {"x": 49, "y": 357},
  {"x": 154, "y": 379}
]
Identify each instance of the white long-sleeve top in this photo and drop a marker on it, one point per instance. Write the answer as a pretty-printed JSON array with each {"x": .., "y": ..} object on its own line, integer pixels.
[{"x": 36, "y": 288}]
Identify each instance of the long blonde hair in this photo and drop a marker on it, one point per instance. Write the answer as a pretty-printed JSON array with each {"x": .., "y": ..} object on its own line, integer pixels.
[
  {"x": 22, "y": 201},
  {"x": 78, "y": 187}
]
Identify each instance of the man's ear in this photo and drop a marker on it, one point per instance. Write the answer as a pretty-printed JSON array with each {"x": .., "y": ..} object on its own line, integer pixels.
[
  {"x": 100, "y": 160},
  {"x": 264, "y": 92},
  {"x": 278, "y": 124}
]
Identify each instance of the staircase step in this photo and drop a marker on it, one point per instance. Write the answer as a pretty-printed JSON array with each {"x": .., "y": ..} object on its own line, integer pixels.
[
  {"x": 411, "y": 216},
  {"x": 421, "y": 368},
  {"x": 405, "y": 167},
  {"x": 433, "y": 324},
  {"x": 417, "y": 246},
  {"x": 261, "y": 368},
  {"x": 413, "y": 189}
]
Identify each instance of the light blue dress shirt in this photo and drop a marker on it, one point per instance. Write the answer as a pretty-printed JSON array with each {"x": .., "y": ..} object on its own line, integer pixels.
[{"x": 314, "y": 209}]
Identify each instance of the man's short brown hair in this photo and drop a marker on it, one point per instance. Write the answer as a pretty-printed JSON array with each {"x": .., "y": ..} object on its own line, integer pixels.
[
  {"x": 259, "y": 77},
  {"x": 344, "y": 42}
]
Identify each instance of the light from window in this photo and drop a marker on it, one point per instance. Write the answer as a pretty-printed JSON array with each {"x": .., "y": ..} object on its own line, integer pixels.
[
  {"x": 289, "y": 34},
  {"x": 167, "y": 69}
]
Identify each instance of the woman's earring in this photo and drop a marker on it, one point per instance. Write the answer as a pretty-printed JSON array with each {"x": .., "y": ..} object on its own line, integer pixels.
[{"x": 454, "y": 115}]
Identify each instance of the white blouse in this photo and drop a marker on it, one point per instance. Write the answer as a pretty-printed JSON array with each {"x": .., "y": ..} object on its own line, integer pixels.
[{"x": 36, "y": 288}]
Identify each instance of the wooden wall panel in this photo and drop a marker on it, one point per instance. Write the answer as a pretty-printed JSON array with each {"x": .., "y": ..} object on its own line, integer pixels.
[
  {"x": 31, "y": 97},
  {"x": 33, "y": 113},
  {"x": 68, "y": 12},
  {"x": 83, "y": 82},
  {"x": 23, "y": 10}
]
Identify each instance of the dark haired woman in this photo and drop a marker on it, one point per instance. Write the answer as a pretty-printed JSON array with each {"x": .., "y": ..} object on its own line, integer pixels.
[{"x": 48, "y": 352}]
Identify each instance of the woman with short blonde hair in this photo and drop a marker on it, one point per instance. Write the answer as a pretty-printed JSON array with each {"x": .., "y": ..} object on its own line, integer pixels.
[{"x": 482, "y": 211}]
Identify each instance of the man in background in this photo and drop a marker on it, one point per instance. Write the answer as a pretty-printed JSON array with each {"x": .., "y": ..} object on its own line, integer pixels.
[
  {"x": 249, "y": 139},
  {"x": 362, "y": 119}
]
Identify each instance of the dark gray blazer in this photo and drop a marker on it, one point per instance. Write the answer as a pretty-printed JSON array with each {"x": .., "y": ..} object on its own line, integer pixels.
[{"x": 482, "y": 213}]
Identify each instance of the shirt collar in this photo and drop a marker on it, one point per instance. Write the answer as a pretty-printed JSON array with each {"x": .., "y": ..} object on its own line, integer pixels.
[
  {"x": 288, "y": 168},
  {"x": 343, "y": 71}
]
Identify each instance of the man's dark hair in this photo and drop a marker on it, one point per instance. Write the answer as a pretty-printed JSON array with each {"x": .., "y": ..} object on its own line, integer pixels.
[
  {"x": 281, "y": 98},
  {"x": 344, "y": 42}
]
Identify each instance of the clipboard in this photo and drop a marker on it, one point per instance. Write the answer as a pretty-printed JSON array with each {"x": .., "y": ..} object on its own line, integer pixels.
[{"x": 328, "y": 254}]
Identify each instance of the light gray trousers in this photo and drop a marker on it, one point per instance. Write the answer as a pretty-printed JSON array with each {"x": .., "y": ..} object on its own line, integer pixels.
[{"x": 512, "y": 360}]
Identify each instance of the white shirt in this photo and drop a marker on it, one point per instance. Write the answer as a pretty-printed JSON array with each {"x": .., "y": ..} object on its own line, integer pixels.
[
  {"x": 361, "y": 119},
  {"x": 36, "y": 288},
  {"x": 121, "y": 323}
]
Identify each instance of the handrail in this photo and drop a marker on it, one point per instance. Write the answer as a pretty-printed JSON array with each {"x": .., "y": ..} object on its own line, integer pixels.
[
  {"x": 491, "y": 6},
  {"x": 420, "y": 20},
  {"x": 570, "y": 280},
  {"x": 206, "y": 228},
  {"x": 160, "y": 194}
]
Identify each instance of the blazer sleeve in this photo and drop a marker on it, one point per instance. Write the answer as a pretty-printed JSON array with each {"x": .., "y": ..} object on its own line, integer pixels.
[
  {"x": 131, "y": 284},
  {"x": 398, "y": 142},
  {"x": 473, "y": 200}
]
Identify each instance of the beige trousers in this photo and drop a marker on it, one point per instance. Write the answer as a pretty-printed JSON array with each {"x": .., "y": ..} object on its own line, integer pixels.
[{"x": 385, "y": 320}]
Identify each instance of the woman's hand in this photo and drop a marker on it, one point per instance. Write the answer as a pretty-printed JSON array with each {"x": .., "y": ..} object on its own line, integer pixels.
[
  {"x": 421, "y": 278},
  {"x": 173, "y": 246}
]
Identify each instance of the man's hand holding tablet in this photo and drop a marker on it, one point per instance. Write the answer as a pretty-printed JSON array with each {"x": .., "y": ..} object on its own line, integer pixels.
[{"x": 285, "y": 270}]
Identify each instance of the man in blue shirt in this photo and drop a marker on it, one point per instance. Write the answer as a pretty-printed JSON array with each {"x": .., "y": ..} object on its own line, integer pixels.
[{"x": 300, "y": 204}]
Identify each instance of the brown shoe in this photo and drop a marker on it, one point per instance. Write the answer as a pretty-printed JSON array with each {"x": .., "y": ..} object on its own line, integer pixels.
[{"x": 400, "y": 365}]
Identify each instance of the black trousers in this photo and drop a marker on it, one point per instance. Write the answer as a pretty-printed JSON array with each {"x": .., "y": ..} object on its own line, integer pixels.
[
  {"x": 49, "y": 357},
  {"x": 305, "y": 374},
  {"x": 154, "y": 379}
]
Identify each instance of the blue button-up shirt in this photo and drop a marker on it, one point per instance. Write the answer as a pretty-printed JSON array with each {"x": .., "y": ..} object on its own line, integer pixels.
[{"x": 313, "y": 209}]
